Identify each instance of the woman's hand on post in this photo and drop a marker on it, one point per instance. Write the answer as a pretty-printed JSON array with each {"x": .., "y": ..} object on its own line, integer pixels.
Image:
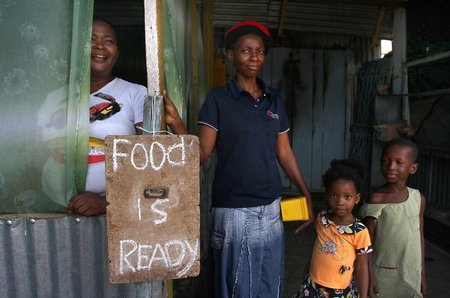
[
  {"x": 172, "y": 118},
  {"x": 88, "y": 204}
]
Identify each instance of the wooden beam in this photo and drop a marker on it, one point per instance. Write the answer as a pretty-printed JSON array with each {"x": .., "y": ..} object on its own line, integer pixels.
[
  {"x": 153, "y": 46},
  {"x": 208, "y": 42},
  {"x": 282, "y": 16},
  {"x": 194, "y": 100},
  {"x": 376, "y": 31},
  {"x": 384, "y": 3}
]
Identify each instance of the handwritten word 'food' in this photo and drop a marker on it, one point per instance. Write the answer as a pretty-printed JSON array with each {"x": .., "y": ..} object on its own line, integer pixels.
[{"x": 142, "y": 157}]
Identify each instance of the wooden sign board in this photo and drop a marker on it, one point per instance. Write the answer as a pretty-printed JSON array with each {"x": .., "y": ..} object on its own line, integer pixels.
[{"x": 153, "y": 216}]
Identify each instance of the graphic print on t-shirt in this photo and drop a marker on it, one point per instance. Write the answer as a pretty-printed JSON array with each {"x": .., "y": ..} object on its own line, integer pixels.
[{"x": 104, "y": 109}]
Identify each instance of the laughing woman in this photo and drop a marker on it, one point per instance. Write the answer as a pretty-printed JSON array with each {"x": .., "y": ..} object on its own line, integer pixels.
[{"x": 116, "y": 108}]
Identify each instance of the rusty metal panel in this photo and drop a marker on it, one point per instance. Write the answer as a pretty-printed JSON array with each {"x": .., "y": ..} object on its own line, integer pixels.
[
  {"x": 153, "y": 215},
  {"x": 60, "y": 255}
]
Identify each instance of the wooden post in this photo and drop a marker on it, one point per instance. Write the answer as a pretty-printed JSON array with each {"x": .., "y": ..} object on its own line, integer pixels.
[
  {"x": 154, "y": 61},
  {"x": 208, "y": 42},
  {"x": 194, "y": 103}
]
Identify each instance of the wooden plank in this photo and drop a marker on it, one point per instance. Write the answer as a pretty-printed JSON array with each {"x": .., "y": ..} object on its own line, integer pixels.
[
  {"x": 302, "y": 129},
  {"x": 153, "y": 46},
  {"x": 387, "y": 3},
  {"x": 334, "y": 115},
  {"x": 194, "y": 103},
  {"x": 153, "y": 215},
  {"x": 208, "y": 42},
  {"x": 318, "y": 125}
]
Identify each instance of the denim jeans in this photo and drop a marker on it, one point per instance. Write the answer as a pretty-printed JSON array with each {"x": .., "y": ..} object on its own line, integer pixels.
[{"x": 247, "y": 252}]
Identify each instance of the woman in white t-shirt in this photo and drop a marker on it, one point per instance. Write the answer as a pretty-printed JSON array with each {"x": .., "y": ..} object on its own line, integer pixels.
[{"x": 116, "y": 108}]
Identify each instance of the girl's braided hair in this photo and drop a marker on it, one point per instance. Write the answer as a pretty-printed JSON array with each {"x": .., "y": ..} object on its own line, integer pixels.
[{"x": 346, "y": 169}]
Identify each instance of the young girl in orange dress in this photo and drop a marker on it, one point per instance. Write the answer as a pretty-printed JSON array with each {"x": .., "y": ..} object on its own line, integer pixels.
[{"x": 342, "y": 244}]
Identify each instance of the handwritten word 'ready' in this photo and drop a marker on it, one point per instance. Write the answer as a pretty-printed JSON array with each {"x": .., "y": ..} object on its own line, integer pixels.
[
  {"x": 174, "y": 255},
  {"x": 154, "y": 156}
]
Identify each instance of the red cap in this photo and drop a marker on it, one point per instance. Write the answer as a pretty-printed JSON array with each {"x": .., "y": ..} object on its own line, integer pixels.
[{"x": 244, "y": 28}]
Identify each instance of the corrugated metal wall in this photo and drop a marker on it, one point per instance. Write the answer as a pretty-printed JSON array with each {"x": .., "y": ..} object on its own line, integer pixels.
[
  {"x": 61, "y": 256},
  {"x": 432, "y": 179}
]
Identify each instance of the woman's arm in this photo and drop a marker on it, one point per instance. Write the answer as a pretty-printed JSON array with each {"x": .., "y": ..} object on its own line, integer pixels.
[
  {"x": 362, "y": 274},
  {"x": 207, "y": 135},
  {"x": 288, "y": 162}
]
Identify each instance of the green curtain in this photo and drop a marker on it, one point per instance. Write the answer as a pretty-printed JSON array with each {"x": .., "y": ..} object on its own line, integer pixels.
[
  {"x": 44, "y": 97},
  {"x": 178, "y": 64}
]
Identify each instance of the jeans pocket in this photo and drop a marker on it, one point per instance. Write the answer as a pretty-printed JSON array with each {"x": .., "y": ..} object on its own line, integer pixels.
[{"x": 216, "y": 240}]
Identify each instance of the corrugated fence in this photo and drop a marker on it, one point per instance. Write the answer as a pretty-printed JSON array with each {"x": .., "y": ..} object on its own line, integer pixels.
[{"x": 59, "y": 255}]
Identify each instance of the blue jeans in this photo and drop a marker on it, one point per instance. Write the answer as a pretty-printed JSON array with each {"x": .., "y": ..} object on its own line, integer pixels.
[{"x": 247, "y": 252}]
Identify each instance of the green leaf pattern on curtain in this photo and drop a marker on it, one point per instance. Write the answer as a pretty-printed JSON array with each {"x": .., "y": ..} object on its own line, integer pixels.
[{"x": 44, "y": 93}]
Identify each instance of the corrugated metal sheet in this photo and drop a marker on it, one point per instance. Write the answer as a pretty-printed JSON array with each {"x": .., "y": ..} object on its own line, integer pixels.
[
  {"x": 61, "y": 256},
  {"x": 345, "y": 19},
  {"x": 432, "y": 179}
]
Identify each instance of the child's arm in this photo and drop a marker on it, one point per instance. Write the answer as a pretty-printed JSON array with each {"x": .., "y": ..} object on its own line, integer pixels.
[
  {"x": 422, "y": 243},
  {"x": 371, "y": 224},
  {"x": 362, "y": 273}
]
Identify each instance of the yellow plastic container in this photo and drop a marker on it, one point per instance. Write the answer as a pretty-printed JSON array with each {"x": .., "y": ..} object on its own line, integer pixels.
[{"x": 294, "y": 209}]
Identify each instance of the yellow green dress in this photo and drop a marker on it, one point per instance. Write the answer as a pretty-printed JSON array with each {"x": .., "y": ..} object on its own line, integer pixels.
[{"x": 397, "y": 254}]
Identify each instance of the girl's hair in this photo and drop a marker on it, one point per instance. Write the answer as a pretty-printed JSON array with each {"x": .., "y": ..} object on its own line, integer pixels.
[
  {"x": 345, "y": 169},
  {"x": 403, "y": 142}
]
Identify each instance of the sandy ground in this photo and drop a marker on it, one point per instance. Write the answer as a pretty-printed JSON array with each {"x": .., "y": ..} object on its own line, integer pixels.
[{"x": 298, "y": 249}]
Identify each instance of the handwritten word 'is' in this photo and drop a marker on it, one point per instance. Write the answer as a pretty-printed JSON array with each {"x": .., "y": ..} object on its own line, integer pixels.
[{"x": 140, "y": 150}]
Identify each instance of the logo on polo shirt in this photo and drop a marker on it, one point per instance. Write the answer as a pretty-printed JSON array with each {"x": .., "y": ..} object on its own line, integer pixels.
[{"x": 272, "y": 115}]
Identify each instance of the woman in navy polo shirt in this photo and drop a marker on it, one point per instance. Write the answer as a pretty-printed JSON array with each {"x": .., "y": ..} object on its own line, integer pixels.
[{"x": 245, "y": 122}]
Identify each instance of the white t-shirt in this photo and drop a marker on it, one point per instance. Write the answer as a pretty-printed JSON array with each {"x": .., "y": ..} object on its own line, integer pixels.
[{"x": 130, "y": 97}]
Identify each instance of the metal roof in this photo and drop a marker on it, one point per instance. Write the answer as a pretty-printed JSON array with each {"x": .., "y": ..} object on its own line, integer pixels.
[
  {"x": 322, "y": 17},
  {"x": 360, "y": 18}
]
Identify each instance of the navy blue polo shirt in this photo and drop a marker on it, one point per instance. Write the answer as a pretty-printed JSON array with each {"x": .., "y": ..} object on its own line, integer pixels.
[{"x": 247, "y": 172}]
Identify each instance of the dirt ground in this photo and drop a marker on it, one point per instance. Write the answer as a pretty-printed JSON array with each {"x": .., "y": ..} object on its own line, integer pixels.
[{"x": 297, "y": 252}]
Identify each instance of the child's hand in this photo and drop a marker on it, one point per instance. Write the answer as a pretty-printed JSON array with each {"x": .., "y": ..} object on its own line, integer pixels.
[
  {"x": 304, "y": 225},
  {"x": 308, "y": 222}
]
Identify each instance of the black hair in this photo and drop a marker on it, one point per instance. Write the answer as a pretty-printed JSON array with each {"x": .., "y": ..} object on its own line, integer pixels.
[
  {"x": 107, "y": 22},
  {"x": 101, "y": 19},
  {"x": 345, "y": 169},
  {"x": 403, "y": 142}
]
